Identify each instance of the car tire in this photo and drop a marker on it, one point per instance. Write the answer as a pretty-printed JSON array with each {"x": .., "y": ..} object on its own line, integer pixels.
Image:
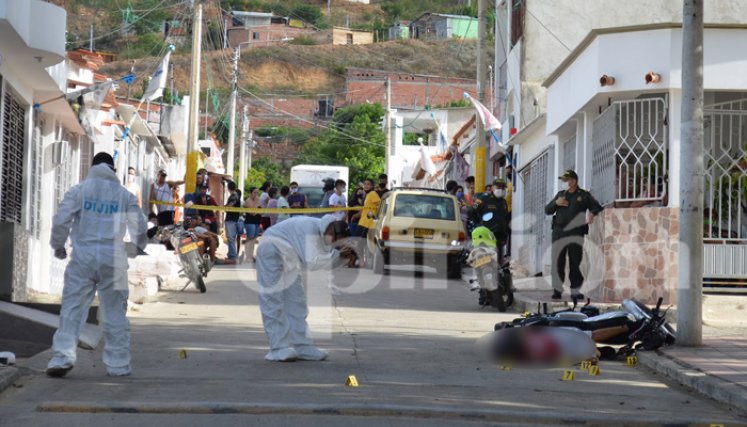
[
  {"x": 379, "y": 263},
  {"x": 453, "y": 267}
]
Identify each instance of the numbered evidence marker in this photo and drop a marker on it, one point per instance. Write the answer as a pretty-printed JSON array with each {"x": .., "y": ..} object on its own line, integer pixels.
[
  {"x": 352, "y": 381},
  {"x": 585, "y": 365},
  {"x": 632, "y": 361},
  {"x": 505, "y": 367},
  {"x": 182, "y": 354},
  {"x": 569, "y": 375},
  {"x": 594, "y": 370}
]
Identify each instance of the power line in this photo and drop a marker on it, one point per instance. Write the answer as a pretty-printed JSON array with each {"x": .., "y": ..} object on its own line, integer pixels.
[{"x": 526, "y": 9}]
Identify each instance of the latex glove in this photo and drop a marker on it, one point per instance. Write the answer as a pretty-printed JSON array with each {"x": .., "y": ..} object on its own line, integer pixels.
[
  {"x": 60, "y": 253},
  {"x": 589, "y": 218}
]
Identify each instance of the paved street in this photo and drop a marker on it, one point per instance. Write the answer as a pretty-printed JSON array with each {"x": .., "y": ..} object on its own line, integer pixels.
[{"x": 407, "y": 339}]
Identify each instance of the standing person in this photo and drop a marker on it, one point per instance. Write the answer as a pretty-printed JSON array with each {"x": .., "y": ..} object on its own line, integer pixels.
[
  {"x": 231, "y": 222},
  {"x": 283, "y": 202},
  {"x": 162, "y": 191},
  {"x": 287, "y": 250},
  {"x": 208, "y": 215},
  {"x": 339, "y": 200},
  {"x": 296, "y": 199},
  {"x": 264, "y": 198},
  {"x": 357, "y": 200},
  {"x": 329, "y": 189},
  {"x": 493, "y": 203},
  {"x": 133, "y": 186},
  {"x": 272, "y": 203},
  {"x": 463, "y": 206},
  {"x": 573, "y": 209},
  {"x": 251, "y": 223},
  {"x": 370, "y": 205},
  {"x": 383, "y": 182},
  {"x": 451, "y": 187},
  {"x": 96, "y": 214},
  {"x": 469, "y": 195}
]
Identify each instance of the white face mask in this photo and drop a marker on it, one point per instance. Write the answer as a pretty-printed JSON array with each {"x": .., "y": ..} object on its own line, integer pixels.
[
  {"x": 130, "y": 178},
  {"x": 499, "y": 193},
  {"x": 566, "y": 185},
  {"x": 294, "y": 190}
]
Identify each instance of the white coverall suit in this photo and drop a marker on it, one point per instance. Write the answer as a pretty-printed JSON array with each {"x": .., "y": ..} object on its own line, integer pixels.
[
  {"x": 287, "y": 249},
  {"x": 99, "y": 211}
]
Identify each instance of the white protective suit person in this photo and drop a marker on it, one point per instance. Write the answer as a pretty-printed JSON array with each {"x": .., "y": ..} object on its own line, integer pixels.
[
  {"x": 96, "y": 214},
  {"x": 288, "y": 249}
]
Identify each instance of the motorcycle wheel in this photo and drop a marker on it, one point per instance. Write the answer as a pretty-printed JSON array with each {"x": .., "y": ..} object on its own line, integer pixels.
[
  {"x": 193, "y": 271},
  {"x": 500, "y": 299}
]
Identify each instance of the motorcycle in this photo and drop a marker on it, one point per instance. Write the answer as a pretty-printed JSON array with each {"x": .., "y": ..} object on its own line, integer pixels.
[
  {"x": 635, "y": 326},
  {"x": 493, "y": 279},
  {"x": 187, "y": 247}
]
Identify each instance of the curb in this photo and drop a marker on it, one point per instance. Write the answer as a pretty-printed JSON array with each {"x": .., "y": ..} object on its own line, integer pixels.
[
  {"x": 513, "y": 417},
  {"x": 8, "y": 375},
  {"x": 709, "y": 385}
]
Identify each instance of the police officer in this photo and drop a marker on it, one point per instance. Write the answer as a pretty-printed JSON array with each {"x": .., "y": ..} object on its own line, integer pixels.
[
  {"x": 573, "y": 209},
  {"x": 493, "y": 202}
]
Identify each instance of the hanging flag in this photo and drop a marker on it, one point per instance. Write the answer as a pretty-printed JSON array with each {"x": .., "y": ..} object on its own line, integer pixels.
[
  {"x": 443, "y": 141},
  {"x": 158, "y": 80},
  {"x": 486, "y": 117},
  {"x": 425, "y": 161}
]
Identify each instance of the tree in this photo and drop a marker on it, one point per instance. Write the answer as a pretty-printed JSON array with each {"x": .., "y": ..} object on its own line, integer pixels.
[
  {"x": 355, "y": 140},
  {"x": 264, "y": 169}
]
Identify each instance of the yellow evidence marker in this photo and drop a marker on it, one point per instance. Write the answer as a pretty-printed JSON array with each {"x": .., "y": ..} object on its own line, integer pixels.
[
  {"x": 585, "y": 365},
  {"x": 569, "y": 376},
  {"x": 632, "y": 361},
  {"x": 594, "y": 370},
  {"x": 505, "y": 367},
  {"x": 182, "y": 354},
  {"x": 352, "y": 381}
]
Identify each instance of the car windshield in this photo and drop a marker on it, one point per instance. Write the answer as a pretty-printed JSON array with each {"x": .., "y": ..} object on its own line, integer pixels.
[
  {"x": 424, "y": 206},
  {"x": 313, "y": 195}
]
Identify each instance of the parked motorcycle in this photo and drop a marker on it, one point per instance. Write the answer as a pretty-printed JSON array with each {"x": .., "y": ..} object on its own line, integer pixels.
[
  {"x": 635, "y": 326},
  {"x": 187, "y": 247},
  {"x": 493, "y": 279}
]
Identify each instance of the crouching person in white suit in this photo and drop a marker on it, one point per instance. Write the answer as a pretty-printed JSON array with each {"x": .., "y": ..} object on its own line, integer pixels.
[
  {"x": 288, "y": 249},
  {"x": 96, "y": 214}
]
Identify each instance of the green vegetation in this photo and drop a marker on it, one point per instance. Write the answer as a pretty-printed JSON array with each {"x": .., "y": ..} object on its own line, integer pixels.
[
  {"x": 304, "y": 41},
  {"x": 294, "y": 135},
  {"x": 264, "y": 169},
  {"x": 411, "y": 9},
  {"x": 355, "y": 140}
]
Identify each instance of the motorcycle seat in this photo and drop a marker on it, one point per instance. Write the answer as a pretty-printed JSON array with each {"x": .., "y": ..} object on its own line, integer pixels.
[{"x": 606, "y": 320}]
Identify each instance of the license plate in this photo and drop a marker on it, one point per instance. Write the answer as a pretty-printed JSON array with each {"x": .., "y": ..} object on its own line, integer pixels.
[
  {"x": 482, "y": 261},
  {"x": 423, "y": 233},
  {"x": 188, "y": 248}
]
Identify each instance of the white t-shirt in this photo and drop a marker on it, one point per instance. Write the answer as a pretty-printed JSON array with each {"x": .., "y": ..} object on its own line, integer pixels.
[{"x": 338, "y": 201}]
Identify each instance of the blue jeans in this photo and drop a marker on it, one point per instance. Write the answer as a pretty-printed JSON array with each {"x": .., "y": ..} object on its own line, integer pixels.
[
  {"x": 251, "y": 230},
  {"x": 233, "y": 229}
]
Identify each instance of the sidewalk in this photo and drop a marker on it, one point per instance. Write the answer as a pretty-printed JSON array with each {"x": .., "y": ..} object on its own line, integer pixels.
[{"x": 718, "y": 369}]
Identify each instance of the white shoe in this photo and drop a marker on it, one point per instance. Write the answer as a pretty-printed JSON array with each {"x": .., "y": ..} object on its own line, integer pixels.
[
  {"x": 123, "y": 371},
  {"x": 309, "y": 352},
  {"x": 282, "y": 355},
  {"x": 58, "y": 367}
]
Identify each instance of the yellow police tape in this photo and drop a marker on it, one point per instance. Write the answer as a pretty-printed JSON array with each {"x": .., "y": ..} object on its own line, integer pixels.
[{"x": 289, "y": 211}]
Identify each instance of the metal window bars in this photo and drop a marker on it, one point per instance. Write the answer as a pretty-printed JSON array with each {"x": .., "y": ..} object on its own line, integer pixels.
[
  {"x": 725, "y": 143},
  {"x": 537, "y": 192},
  {"x": 569, "y": 153},
  {"x": 630, "y": 151},
  {"x": 13, "y": 143}
]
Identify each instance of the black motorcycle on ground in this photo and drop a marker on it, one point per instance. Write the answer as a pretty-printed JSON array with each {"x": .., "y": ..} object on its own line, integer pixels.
[{"x": 635, "y": 327}]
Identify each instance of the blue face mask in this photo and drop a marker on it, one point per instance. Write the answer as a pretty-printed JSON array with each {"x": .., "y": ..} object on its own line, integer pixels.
[{"x": 459, "y": 195}]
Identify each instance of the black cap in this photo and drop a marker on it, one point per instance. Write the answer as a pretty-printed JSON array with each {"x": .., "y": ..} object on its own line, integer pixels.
[
  {"x": 103, "y": 157},
  {"x": 162, "y": 172},
  {"x": 569, "y": 174}
]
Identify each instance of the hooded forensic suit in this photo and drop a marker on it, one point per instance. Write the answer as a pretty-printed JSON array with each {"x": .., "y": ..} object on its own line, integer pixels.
[
  {"x": 286, "y": 251},
  {"x": 96, "y": 214}
]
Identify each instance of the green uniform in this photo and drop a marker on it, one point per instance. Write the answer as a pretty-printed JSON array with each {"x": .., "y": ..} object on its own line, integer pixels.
[
  {"x": 485, "y": 203},
  {"x": 568, "y": 230},
  {"x": 571, "y": 220}
]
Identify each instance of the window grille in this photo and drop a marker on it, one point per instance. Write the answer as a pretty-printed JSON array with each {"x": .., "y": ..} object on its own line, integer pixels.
[
  {"x": 86, "y": 157},
  {"x": 37, "y": 171},
  {"x": 630, "y": 157},
  {"x": 13, "y": 143},
  {"x": 537, "y": 192},
  {"x": 725, "y": 149}
]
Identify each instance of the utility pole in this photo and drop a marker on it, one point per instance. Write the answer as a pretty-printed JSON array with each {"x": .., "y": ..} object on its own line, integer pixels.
[
  {"x": 329, "y": 11},
  {"x": 90, "y": 40},
  {"x": 481, "y": 152},
  {"x": 692, "y": 171},
  {"x": 194, "y": 99},
  {"x": 242, "y": 148},
  {"x": 232, "y": 116},
  {"x": 388, "y": 123},
  {"x": 171, "y": 84}
]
